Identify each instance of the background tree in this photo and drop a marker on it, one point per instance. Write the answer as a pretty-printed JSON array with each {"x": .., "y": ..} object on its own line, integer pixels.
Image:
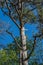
[
  {"x": 22, "y": 11},
  {"x": 8, "y": 56}
]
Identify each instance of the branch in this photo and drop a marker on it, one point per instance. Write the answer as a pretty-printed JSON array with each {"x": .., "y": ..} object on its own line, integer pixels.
[
  {"x": 15, "y": 7},
  {"x": 34, "y": 2},
  {"x": 33, "y": 46},
  {"x": 27, "y": 14},
  {"x": 31, "y": 50},
  {"x": 14, "y": 39},
  {"x": 11, "y": 18},
  {"x": 8, "y": 7},
  {"x": 30, "y": 11},
  {"x": 38, "y": 35}
]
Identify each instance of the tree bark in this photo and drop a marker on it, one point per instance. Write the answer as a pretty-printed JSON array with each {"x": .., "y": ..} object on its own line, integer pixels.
[{"x": 23, "y": 53}]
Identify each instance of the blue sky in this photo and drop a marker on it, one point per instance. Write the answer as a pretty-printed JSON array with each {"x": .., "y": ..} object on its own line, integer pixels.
[
  {"x": 7, "y": 38},
  {"x": 32, "y": 29}
]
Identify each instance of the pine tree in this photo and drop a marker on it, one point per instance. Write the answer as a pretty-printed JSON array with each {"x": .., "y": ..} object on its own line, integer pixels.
[{"x": 22, "y": 10}]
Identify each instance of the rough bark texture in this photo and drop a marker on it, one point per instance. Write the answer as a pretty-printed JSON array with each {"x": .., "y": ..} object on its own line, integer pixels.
[
  {"x": 24, "y": 46},
  {"x": 23, "y": 53}
]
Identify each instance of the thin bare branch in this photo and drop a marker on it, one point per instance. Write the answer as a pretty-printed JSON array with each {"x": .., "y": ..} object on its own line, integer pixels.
[
  {"x": 15, "y": 7},
  {"x": 8, "y": 7},
  {"x": 33, "y": 46},
  {"x": 30, "y": 11},
  {"x": 10, "y": 18},
  {"x": 38, "y": 35},
  {"x": 14, "y": 39}
]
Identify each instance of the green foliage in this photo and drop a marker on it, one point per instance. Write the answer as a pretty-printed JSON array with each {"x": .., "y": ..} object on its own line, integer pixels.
[{"x": 8, "y": 57}]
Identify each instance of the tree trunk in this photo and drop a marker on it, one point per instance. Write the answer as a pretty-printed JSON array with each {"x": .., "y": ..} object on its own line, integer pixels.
[{"x": 23, "y": 53}]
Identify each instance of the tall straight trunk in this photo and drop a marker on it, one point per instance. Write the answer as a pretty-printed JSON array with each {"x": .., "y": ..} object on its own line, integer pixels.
[{"x": 23, "y": 53}]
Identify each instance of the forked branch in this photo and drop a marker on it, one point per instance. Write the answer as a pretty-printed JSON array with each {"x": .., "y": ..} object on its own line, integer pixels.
[
  {"x": 33, "y": 46},
  {"x": 14, "y": 39},
  {"x": 11, "y": 18}
]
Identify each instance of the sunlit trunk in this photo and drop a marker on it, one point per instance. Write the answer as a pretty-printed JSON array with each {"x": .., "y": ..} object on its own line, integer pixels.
[{"x": 23, "y": 53}]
